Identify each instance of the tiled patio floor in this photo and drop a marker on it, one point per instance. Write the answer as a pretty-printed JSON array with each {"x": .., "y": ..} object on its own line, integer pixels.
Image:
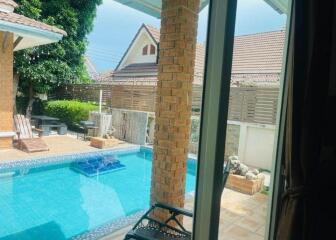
[
  {"x": 57, "y": 145},
  {"x": 243, "y": 217}
]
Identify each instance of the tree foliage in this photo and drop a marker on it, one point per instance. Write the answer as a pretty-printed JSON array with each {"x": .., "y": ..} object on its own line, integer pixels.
[{"x": 43, "y": 68}]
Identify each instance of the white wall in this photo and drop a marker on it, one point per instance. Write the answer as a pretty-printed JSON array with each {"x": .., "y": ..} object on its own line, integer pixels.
[{"x": 256, "y": 142}]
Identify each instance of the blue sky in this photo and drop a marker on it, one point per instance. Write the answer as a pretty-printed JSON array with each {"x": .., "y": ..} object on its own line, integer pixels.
[{"x": 116, "y": 25}]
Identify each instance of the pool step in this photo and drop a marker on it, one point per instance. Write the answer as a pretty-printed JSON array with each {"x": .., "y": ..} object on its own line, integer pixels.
[{"x": 97, "y": 166}]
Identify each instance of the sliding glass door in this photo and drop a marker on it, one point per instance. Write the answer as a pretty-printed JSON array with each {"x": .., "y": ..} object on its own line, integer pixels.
[{"x": 241, "y": 120}]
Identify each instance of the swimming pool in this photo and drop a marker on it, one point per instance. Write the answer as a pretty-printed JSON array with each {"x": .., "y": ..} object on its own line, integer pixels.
[{"x": 47, "y": 199}]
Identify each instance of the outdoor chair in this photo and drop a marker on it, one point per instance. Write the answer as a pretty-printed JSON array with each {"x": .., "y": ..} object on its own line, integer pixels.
[
  {"x": 150, "y": 228},
  {"x": 26, "y": 140}
]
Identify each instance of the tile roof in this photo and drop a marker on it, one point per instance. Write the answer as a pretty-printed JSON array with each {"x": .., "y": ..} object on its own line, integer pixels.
[
  {"x": 258, "y": 53},
  {"x": 138, "y": 69},
  {"x": 104, "y": 77},
  {"x": 9, "y": 2},
  {"x": 252, "y": 54},
  {"x": 155, "y": 32},
  {"x": 22, "y": 20},
  {"x": 256, "y": 58}
]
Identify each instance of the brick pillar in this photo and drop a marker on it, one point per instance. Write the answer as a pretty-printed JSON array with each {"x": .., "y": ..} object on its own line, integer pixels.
[
  {"x": 173, "y": 104},
  {"x": 6, "y": 88}
]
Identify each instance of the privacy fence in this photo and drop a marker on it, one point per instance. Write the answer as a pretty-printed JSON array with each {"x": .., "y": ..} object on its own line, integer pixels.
[
  {"x": 131, "y": 95},
  {"x": 247, "y": 104}
]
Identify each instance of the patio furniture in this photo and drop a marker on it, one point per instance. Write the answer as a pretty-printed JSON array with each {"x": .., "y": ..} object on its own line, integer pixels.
[
  {"x": 47, "y": 123},
  {"x": 86, "y": 126},
  {"x": 44, "y": 120},
  {"x": 62, "y": 129},
  {"x": 26, "y": 140},
  {"x": 150, "y": 228}
]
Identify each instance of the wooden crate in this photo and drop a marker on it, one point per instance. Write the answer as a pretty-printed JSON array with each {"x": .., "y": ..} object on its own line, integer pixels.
[
  {"x": 101, "y": 143},
  {"x": 243, "y": 185}
]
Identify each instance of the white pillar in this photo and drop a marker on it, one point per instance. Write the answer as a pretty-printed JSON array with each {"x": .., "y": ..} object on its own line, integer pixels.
[{"x": 100, "y": 100}]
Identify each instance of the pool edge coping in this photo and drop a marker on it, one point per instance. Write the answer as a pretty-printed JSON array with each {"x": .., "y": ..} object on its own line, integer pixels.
[{"x": 7, "y": 165}]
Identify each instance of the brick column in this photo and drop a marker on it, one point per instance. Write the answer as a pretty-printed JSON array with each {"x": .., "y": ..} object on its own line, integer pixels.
[
  {"x": 6, "y": 88},
  {"x": 173, "y": 104}
]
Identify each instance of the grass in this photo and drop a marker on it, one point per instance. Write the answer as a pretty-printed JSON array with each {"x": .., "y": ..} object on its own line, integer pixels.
[{"x": 265, "y": 190}]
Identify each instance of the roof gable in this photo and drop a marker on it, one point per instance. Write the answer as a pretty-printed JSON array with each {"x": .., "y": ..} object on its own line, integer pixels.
[{"x": 145, "y": 31}]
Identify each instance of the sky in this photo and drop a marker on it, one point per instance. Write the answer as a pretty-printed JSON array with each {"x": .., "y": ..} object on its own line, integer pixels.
[{"x": 116, "y": 25}]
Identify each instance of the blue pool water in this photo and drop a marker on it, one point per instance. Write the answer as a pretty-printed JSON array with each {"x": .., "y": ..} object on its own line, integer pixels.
[{"x": 54, "y": 202}]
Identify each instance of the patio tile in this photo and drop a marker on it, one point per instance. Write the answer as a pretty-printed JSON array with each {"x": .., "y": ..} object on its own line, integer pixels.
[
  {"x": 241, "y": 210},
  {"x": 259, "y": 216},
  {"x": 260, "y": 198},
  {"x": 250, "y": 223},
  {"x": 57, "y": 145},
  {"x": 261, "y": 231},
  {"x": 236, "y": 232},
  {"x": 224, "y": 226},
  {"x": 229, "y": 216}
]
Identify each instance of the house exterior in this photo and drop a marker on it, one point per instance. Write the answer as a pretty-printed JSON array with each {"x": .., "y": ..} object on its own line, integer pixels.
[
  {"x": 257, "y": 62},
  {"x": 17, "y": 32},
  {"x": 257, "y": 59}
]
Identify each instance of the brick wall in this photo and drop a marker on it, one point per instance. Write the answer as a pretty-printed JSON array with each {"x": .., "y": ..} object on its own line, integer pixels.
[
  {"x": 6, "y": 88},
  {"x": 174, "y": 99}
]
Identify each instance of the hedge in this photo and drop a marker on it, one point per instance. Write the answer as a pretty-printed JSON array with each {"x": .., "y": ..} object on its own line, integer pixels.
[{"x": 70, "y": 112}]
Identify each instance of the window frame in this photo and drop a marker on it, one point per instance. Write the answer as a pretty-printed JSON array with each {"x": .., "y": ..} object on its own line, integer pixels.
[
  {"x": 152, "y": 50},
  {"x": 145, "y": 50},
  {"x": 218, "y": 64},
  {"x": 277, "y": 178}
]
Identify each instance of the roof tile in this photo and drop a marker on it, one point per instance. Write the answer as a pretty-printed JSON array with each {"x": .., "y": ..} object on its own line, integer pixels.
[
  {"x": 9, "y": 2},
  {"x": 22, "y": 20},
  {"x": 155, "y": 32}
]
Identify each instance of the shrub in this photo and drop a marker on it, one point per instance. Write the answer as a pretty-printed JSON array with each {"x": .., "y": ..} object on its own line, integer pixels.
[{"x": 70, "y": 112}]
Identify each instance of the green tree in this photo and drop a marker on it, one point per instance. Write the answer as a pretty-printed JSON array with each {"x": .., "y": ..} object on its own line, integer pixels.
[{"x": 43, "y": 69}]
